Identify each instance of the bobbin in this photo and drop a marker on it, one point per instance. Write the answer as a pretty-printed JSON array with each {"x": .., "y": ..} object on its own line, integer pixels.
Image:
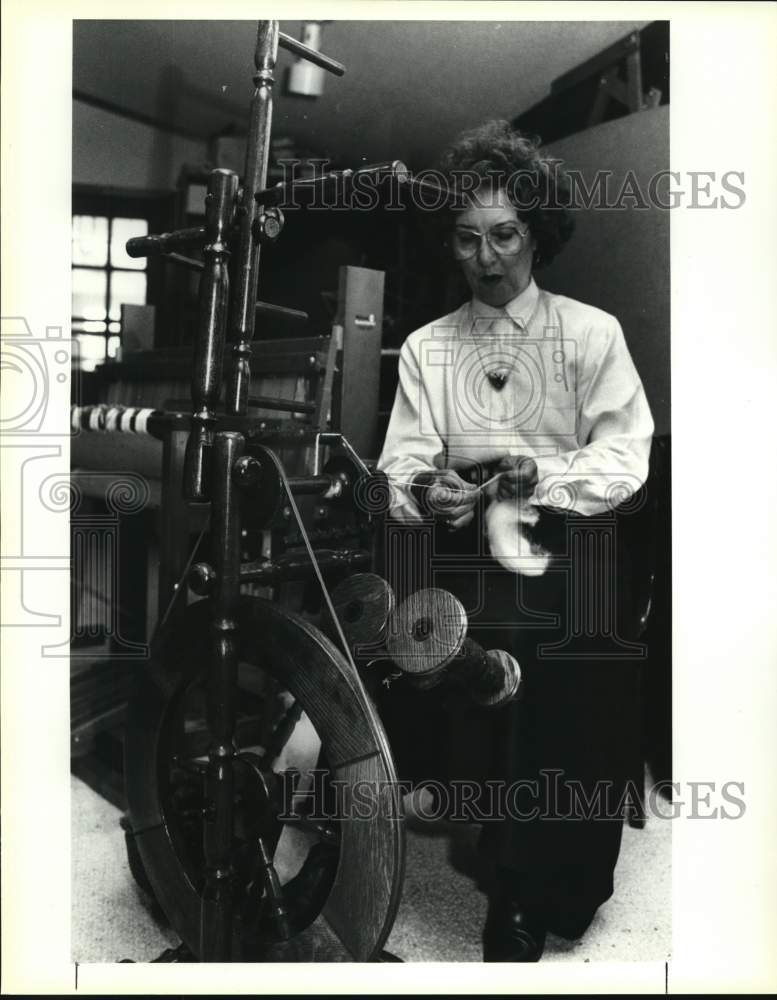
[
  {"x": 363, "y": 603},
  {"x": 427, "y": 639}
]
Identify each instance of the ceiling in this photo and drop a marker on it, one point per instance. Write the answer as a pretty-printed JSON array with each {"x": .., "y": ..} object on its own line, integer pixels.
[{"x": 409, "y": 87}]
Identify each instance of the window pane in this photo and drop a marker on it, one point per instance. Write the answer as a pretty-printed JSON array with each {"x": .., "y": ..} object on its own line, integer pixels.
[
  {"x": 89, "y": 291},
  {"x": 114, "y": 327},
  {"x": 90, "y": 351},
  {"x": 91, "y": 326},
  {"x": 90, "y": 240},
  {"x": 126, "y": 287},
  {"x": 113, "y": 346},
  {"x": 121, "y": 231}
]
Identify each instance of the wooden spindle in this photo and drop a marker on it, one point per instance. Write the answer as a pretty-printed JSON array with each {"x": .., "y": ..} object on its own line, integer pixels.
[
  {"x": 363, "y": 603},
  {"x": 211, "y": 329},
  {"x": 246, "y": 270},
  {"x": 427, "y": 640}
]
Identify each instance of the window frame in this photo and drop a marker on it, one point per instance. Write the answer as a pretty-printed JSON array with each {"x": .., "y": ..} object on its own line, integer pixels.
[{"x": 156, "y": 207}]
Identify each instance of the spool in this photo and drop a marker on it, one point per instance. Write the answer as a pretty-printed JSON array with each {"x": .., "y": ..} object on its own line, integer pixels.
[
  {"x": 425, "y": 633},
  {"x": 363, "y": 603},
  {"x": 428, "y": 641},
  {"x": 507, "y": 670}
]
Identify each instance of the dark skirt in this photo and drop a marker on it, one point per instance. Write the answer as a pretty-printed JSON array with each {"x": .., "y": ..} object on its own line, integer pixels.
[{"x": 555, "y": 769}]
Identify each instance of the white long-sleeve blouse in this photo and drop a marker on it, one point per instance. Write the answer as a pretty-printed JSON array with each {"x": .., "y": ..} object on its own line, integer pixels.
[{"x": 570, "y": 398}]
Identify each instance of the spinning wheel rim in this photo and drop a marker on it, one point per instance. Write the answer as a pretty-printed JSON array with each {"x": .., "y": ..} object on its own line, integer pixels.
[{"x": 356, "y": 747}]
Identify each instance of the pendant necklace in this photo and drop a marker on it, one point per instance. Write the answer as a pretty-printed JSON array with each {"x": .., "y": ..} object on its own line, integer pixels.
[
  {"x": 497, "y": 377},
  {"x": 497, "y": 372}
]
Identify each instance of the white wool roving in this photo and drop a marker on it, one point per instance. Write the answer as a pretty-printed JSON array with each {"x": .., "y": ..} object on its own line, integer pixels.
[{"x": 505, "y": 520}]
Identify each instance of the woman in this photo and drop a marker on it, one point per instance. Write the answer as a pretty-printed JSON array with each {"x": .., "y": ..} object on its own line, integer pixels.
[{"x": 537, "y": 393}]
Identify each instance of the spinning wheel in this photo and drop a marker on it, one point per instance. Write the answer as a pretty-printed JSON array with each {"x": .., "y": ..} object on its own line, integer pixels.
[
  {"x": 210, "y": 818},
  {"x": 339, "y": 903}
]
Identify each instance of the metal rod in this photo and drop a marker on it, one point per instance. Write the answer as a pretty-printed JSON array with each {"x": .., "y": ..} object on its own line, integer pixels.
[
  {"x": 285, "y": 405},
  {"x": 299, "y": 49},
  {"x": 313, "y": 484},
  {"x": 299, "y": 566},
  {"x": 209, "y": 349},
  {"x": 274, "y": 892},
  {"x": 444, "y": 191},
  {"x": 272, "y": 310},
  {"x": 243, "y": 308},
  {"x": 216, "y": 911},
  {"x": 157, "y": 423},
  {"x": 151, "y": 246},
  {"x": 281, "y": 436},
  {"x": 377, "y": 171},
  {"x": 190, "y": 262}
]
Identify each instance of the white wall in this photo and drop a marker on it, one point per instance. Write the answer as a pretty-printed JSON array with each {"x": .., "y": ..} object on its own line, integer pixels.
[
  {"x": 618, "y": 260},
  {"x": 113, "y": 151}
]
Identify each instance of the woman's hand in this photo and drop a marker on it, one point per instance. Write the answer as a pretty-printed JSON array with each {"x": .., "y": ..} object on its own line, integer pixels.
[
  {"x": 445, "y": 495},
  {"x": 518, "y": 478}
]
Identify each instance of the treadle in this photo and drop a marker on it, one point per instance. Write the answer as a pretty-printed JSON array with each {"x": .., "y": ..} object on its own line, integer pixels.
[{"x": 179, "y": 954}]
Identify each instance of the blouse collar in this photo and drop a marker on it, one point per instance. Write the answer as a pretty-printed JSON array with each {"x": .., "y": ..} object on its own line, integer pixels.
[{"x": 520, "y": 309}]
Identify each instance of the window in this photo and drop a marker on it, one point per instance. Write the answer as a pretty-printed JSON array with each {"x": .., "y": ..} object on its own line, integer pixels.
[{"x": 103, "y": 277}]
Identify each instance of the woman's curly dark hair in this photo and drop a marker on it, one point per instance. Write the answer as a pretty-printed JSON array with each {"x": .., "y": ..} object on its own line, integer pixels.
[{"x": 536, "y": 186}]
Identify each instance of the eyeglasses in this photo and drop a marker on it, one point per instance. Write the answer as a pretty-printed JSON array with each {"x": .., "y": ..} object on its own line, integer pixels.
[{"x": 504, "y": 240}]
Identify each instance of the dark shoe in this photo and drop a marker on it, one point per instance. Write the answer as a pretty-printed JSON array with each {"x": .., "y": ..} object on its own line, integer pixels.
[
  {"x": 512, "y": 934},
  {"x": 571, "y": 922},
  {"x": 572, "y": 917}
]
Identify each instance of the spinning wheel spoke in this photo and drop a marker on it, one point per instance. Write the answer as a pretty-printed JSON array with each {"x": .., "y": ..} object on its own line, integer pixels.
[
  {"x": 325, "y": 832},
  {"x": 274, "y": 892},
  {"x": 282, "y": 733}
]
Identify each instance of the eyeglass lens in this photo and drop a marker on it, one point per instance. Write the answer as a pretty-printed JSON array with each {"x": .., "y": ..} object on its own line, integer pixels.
[{"x": 502, "y": 240}]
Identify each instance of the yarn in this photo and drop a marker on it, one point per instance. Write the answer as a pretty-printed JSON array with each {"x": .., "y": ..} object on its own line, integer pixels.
[{"x": 506, "y": 521}]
